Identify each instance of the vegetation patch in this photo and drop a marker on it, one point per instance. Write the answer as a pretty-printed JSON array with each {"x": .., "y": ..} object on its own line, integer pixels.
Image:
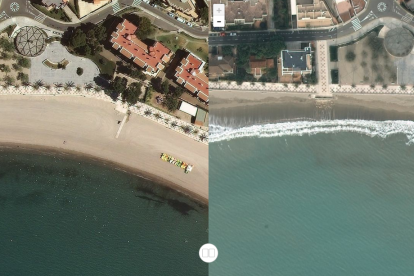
[
  {"x": 333, "y": 52},
  {"x": 58, "y": 14},
  {"x": 281, "y": 14},
  {"x": 172, "y": 41},
  {"x": 198, "y": 48},
  {"x": 335, "y": 76}
]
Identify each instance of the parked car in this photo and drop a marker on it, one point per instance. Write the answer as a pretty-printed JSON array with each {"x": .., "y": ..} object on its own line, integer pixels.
[
  {"x": 189, "y": 24},
  {"x": 222, "y": 34},
  {"x": 233, "y": 34},
  {"x": 179, "y": 19},
  {"x": 171, "y": 14}
]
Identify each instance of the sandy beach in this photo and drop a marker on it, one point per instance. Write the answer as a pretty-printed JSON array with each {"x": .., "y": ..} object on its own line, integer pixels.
[
  {"x": 89, "y": 126},
  {"x": 258, "y": 107}
]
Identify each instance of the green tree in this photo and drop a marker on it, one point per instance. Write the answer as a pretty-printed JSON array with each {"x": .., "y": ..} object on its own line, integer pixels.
[
  {"x": 24, "y": 78},
  {"x": 100, "y": 33},
  {"x": 204, "y": 14},
  {"x": 171, "y": 102},
  {"x": 132, "y": 93},
  {"x": 6, "y": 45},
  {"x": 350, "y": 56},
  {"x": 165, "y": 87},
  {"x": 78, "y": 39},
  {"x": 119, "y": 85},
  {"x": 79, "y": 71},
  {"x": 24, "y": 62},
  {"x": 145, "y": 28},
  {"x": 227, "y": 50}
]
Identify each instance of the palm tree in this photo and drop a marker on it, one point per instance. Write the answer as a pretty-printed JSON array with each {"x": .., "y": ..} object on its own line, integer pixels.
[
  {"x": 89, "y": 86},
  {"x": 58, "y": 85},
  {"x": 69, "y": 85},
  {"x": 158, "y": 115},
  {"x": 78, "y": 88},
  {"x": 203, "y": 137},
  {"x": 187, "y": 129},
  {"x": 174, "y": 124},
  {"x": 167, "y": 120},
  {"x": 26, "y": 84},
  {"x": 47, "y": 86},
  {"x": 148, "y": 112},
  {"x": 195, "y": 131},
  {"x": 38, "y": 84}
]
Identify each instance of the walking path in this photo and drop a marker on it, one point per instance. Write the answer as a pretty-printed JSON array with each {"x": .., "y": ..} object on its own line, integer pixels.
[
  {"x": 322, "y": 68},
  {"x": 140, "y": 108}
]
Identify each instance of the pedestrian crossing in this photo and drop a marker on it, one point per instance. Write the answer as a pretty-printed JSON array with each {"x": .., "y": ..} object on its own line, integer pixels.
[
  {"x": 407, "y": 18},
  {"x": 116, "y": 7},
  {"x": 356, "y": 24},
  {"x": 40, "y": 17},
  {"x": 136, "y": 3}
]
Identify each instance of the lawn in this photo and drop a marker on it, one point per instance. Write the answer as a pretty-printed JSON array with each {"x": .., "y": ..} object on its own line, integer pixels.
[
  {"x": 57, "y": 14},
  {"x": 107, "y": 67},
  {"x": 333, "y": 50},
  {"x": 200, "y": 49},
  {"x": 172, "y": 41}
]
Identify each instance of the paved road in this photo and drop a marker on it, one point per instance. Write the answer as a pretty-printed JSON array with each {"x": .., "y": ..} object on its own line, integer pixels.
[
  {"x": 12, "y": 8},
  {"x": 374, "y": 10}
]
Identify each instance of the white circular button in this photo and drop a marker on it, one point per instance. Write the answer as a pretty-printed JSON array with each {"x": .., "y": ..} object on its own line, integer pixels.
[{"x": 208, "y": 253}]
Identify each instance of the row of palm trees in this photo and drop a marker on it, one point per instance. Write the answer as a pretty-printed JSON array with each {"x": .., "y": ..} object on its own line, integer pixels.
[
  {"x": 187, "y": 129},
  {"x": 70, "y": 85}
]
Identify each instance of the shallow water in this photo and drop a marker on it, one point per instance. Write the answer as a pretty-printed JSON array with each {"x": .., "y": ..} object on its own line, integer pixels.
[
  {"x": 326, "y": 204},
  {"x": 66, "y": 215}
]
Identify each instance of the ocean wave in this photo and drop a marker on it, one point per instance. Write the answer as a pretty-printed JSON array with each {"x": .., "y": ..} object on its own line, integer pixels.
[{"x": 381, "y": 129}]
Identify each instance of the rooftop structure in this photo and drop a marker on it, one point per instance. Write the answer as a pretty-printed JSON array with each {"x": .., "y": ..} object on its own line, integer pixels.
[
  {"x": 190, "y": 74},
  {"x": 151, "y": 58},
  {"x": 243, "y": 12},
  {"x": 257, "y": 65},
  {"x": 408, "y": 3},
  {"x": 297, "y": 62},
  {"x": 220, "y": 65},
  {"x": 347, "y": 9},
  {"x": 57, "y": 4},
  {"x": 188, "y": 108},
  {"x": 399, "y": 42},
  {"x": 314, "y": 14},
  {"x": 201, "y": 118}
]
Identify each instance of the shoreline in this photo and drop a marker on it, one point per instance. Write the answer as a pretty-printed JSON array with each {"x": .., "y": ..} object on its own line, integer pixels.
[
  {"x": 89, "y": 126},
  {"x": 237, "y": 109}
]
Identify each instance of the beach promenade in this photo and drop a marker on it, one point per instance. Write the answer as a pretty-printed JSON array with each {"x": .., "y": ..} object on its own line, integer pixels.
[{"x": 87, "y": 126}]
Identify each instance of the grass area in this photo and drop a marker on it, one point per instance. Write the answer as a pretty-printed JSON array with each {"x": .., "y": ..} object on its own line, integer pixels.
[
  {"x": 57, "y": 14},
  {"x": 199, "y": 48},
  {"x": 335, "y": 76},
  {"x": 281, "y": 14},
  {"x": 171, "y": 42},
  {"x": 74, "y": 7},
  {"x": 106, "y": 68},
  {"x": 333, "y": 51}
]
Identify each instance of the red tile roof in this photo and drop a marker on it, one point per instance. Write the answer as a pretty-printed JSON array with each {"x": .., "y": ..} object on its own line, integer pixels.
[
  {"x": 147, "y": 57},
  {"x": 190, "y": 73}
]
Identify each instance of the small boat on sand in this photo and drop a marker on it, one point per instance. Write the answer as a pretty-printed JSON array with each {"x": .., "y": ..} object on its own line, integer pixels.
[{"x": 185, "y": 166}]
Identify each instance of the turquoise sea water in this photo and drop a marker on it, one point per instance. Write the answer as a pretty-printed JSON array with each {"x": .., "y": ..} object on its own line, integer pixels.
[
  {"x": 64, "y": 215},
  {"x": 321, "y": 205}
]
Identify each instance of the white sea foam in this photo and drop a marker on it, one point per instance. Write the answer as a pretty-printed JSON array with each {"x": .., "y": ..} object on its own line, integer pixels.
[{"x": 381, "y": 129}]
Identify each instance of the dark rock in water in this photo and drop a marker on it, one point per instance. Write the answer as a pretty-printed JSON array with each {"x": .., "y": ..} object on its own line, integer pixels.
[
  {"x": 180, "y": 206},
  {"x": 150, "y": 199},
  {"x": 36, "y": 197}
]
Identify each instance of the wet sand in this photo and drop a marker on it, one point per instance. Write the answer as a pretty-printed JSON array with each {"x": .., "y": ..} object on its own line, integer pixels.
[
  {"x": 88, "y": 127},
  {"x": 238, "y": 108}
]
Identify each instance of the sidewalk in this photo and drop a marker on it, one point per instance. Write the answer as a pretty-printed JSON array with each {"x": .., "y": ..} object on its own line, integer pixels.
[{"x": 71, "y": 15}]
